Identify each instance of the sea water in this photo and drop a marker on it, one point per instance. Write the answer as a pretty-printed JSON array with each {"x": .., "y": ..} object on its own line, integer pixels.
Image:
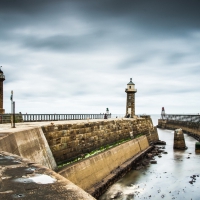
[{"x": 170, "y": 178}]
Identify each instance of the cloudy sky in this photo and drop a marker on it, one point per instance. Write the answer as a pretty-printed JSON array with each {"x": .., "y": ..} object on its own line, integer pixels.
[{"x": 77, "y": 56}]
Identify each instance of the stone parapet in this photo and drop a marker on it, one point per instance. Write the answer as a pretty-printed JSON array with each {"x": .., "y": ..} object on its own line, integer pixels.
[
  {"x": 70, "y": 140},
  {"x": 7, "y": 118}
]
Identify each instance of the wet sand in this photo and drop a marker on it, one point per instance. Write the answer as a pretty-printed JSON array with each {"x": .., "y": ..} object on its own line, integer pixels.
[{"x": 175, "y": 176}]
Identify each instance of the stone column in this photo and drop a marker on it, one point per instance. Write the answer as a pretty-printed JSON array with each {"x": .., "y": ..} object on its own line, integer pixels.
[{"x": 179, "y": 139}]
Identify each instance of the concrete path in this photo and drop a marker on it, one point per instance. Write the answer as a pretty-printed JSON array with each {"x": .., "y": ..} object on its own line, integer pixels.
[
  {"x": 28, "y": 125},
  {"x": 22, "y": 179}
]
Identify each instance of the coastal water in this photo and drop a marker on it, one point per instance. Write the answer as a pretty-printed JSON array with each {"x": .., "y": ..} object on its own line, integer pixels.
[{"x": 168, "y": 179}]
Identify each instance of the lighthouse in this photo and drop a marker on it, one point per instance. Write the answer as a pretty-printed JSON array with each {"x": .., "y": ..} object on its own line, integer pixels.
[
  {"x": 2, "y": 79},
  {"x": 130, "y": 100}
]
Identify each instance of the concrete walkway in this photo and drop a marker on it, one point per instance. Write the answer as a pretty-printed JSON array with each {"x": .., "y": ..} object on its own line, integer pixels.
[
  {"x": 23, "y": 179},
  {"x": 29, "y": 125}
]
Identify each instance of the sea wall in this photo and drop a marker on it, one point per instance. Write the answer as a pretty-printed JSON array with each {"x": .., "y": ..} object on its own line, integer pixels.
[
  {"x": 50, "y": 143},
  {"x": 191, "y": 128},
  {"x": 28, "y": 143},
  {"x": 70, "y": 140},
  {"x": 90, "y": 171},
  {"x": 41, "y": 142}
]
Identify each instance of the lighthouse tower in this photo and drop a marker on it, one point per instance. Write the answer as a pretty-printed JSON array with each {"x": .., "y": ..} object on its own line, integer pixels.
[
  {"x": 130, "y": 101},
  {"x": 2, "y": 78}
]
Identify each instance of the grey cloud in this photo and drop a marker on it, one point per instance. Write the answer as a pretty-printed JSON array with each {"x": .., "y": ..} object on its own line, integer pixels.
[
  {"x": 61, "y": 42},
  {"x": 132, "y": 62},
  {"x": 72, "y": 56},
  {"x": 174, "y": 58}
]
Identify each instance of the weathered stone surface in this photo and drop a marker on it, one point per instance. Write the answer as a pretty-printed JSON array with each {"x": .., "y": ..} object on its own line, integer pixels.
[
  {"x": 74, "y": 139},
  {"x": 22, "y": 179},
  {"x": 191, "y": 128},
  {"x": 90, "y": 171},
  {"x": 29, "y": 143},
  {"x": 179, "y": 140},
  {"x": 70, "y": 139}
]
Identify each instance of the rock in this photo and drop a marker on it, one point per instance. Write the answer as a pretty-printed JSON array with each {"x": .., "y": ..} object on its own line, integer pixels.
[
  {"x": 115, "y": 196},
  {"x": 139, "y": 167},
  {"x": 149, "y": 155}
]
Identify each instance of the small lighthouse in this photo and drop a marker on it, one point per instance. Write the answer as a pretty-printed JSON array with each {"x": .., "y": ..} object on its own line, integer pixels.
[
  {"x": 130, "y": 101},
  {"x": 2, "y": 79}
]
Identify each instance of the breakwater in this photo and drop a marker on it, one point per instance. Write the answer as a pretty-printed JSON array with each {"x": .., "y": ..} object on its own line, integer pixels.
[
  {"x": 51, "y": 143},
  {"x": 190, "y": 127},
  {"x": 72, "y": 140},
  {"x": 96, "y": 173}
]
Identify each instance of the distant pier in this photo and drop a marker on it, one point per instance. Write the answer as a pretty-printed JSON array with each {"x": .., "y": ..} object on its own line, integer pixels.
[{"x": 190, "y": 124}]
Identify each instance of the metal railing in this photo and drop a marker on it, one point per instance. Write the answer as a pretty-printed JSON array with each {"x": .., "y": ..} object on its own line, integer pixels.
[
  {"x": 5, "y": 118},
  {"x": 183, "y": 118},
  {"x": 60, "y": 117}
]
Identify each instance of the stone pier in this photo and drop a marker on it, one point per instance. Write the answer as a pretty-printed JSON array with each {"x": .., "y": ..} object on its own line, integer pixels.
[
  {"x": 33, "y": 150},
  {"x": 179, "y": 140}
]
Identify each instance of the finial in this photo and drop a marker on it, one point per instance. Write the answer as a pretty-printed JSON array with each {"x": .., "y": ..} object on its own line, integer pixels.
[{"x": 130, "y": 79}]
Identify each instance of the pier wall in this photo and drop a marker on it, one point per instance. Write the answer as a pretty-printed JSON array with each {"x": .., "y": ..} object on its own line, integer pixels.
[
  {"x": 191, "y": 128},
  {"x": 42, "y": 142},
  {"x": 69, "y": 141},
  {"x": 88, "y": 172},
  {"x": 29, "y": 143},
  {"x": 50, "y": 143}
]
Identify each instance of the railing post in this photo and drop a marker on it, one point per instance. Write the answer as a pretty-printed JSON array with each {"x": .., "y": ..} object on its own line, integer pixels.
[{"x": 13, "y": 115}]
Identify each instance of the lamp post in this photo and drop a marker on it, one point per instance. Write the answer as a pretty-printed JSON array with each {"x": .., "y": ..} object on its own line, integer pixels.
[
  {"x": 13, "y": 114},
  {"x": 11, "y": 99},
  {"x": 2, "y": 79},
  {"x": 12, "y": 110}
]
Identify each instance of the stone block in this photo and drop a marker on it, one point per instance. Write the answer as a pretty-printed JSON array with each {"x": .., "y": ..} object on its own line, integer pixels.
[
  {"x": 55, "y": 148},
  {"x": 64, "y": 140}
]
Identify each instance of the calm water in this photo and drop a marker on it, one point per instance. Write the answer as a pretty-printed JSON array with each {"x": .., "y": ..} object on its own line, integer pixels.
[{"x": 168, "y": 179}]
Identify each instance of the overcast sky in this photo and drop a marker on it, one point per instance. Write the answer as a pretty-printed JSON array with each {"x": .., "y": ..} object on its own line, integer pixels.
[{"x": 77, "y": 56}]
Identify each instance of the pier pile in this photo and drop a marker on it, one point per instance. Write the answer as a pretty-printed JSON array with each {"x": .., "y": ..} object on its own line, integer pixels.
[{"x": 179, "y": 140}]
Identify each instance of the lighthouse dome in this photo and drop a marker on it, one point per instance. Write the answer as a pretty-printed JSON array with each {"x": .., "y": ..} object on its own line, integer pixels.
[{"x": 130, "y": 83}]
